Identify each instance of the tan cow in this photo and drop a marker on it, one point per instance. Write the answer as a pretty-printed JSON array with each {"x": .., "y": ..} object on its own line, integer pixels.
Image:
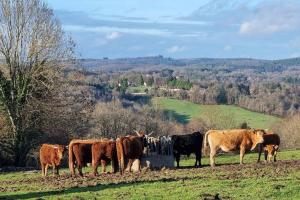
[
  {"x": 232, "y": 140},
  {"x": 51, "y": 155}
]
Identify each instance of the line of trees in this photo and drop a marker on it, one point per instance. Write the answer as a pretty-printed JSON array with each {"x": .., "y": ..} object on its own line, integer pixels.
[{"x": 36, "y": 100}]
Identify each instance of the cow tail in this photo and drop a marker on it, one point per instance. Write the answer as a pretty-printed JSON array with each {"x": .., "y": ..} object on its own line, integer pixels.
[
  {"x": 120, "y": 155},
  {"x": 71, "y": 159},
  {"x": 206, "y": 142}
]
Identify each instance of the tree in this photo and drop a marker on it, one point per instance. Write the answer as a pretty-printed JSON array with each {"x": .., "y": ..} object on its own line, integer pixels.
[
  {"x": 123, "y": 85},
  {"x": 141, "y": 80},
  {"x": 34, "y": 48}
]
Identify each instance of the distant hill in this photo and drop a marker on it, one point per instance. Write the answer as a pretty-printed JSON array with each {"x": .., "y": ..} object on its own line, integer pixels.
[{"x": 159, "y": 62}]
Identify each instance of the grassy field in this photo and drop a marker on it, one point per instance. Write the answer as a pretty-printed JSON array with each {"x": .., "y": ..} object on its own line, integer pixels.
[
  {"x": 183, "y": 111},
  {"x": 138, "y": 89},
  {"x": 228, "y": 180}
]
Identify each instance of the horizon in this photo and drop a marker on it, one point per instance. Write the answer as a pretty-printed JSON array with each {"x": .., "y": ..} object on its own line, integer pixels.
[
  {"x": 258, "y": 29},
  {"x": 179, "y": 58}
]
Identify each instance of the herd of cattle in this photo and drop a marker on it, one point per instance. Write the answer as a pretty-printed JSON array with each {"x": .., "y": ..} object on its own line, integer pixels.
[{"x": 124, "y": 151}]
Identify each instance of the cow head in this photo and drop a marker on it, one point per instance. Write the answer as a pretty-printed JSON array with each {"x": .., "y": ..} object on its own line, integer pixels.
[
  {"x": 271, "y": 149},
  {"x": 60, "y": 149},
  {"x": 146, "y": 138},
  {"x": 257, "y": 138}
]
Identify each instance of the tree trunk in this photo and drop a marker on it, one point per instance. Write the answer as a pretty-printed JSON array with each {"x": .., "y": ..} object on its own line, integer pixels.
[{"x": 21, "y": 150}]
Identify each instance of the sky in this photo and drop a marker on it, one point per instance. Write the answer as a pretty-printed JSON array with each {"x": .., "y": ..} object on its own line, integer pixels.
[{"x": 265, "y": 29}]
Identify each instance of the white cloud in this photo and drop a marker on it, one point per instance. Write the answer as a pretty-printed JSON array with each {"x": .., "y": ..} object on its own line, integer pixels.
[
  {"x": 108, "y": 30},
  {"x": 227, "y": 48},
  {"x": 113, "y": 35},
  {"x": 271, "y": 17},
  {"x": 176, "y": 49}
]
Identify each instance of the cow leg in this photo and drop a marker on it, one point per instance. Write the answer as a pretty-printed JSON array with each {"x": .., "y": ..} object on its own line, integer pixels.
[
  {"x": 139, "y": 164},
  {"x": 112, "y": 163},
  {"x": 275, "y": 153},
  {"x": 80, "y": 170},
  {"x": 43, "y": 169},
  {"x": 103, "y": 164},
  {"x": 269, "y": 157},
  {"x": 95, "y": 163},
  {"x": 266, "y": 155},
  {"x": 213, "y": 153},
  {"x": 177, "y": 156},
  {"x": 242, "y": 154},
  {"x": 130, "y": 161},
  {"x": 198, "y": 159},
  {"x": 46, "y": 169},
  {"x": 53, "y": 169},
  {"x": 260, "y": 148}
]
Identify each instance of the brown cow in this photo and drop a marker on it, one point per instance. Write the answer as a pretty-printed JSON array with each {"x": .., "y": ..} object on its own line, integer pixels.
[
  {"x": 81, "y": 151},
  {"x": 130, "y": 148},
  {"x": 51, "y": 154},
  {"x": 271, "y": 151},
  {"x": 269, "y": 139},
  {"x": 104, "y": 151},
  {"x": 232, "y": 140}
]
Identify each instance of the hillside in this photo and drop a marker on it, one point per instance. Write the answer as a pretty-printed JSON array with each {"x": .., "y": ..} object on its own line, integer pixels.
[
  {"x": 159, "y": 62},
  {"x": 184, "y": 111}
]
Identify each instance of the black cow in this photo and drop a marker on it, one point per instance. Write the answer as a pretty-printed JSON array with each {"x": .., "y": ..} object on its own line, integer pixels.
[{"x": 186, "y": 145}]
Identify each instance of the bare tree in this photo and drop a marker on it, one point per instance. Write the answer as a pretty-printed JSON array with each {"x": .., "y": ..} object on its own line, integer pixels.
[
  {"x": 289, "y": 132},
  {"x": 34, "y": 48}
]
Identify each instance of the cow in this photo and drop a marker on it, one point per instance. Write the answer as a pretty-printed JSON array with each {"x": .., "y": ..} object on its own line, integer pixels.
[
  {"x": 165, "y": 145},
  {"x": 271, "y": 151},
  {"x": 150, "y": 143},
  {"x": 51, "y": 155},
  {"x": 130, "y": 148},
  {"x": 271, "y": 139},
  {"x": 80, "y": 153},
  {"x": 186, "y": 145},
  {"x": 104, "y": 151},
  {"x": 232, "y": 140}
]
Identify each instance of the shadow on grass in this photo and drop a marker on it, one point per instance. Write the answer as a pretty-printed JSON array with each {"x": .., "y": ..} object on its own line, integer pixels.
[
  {"x": 77, "y": 190},
  {"x": 180, "y": 118}
]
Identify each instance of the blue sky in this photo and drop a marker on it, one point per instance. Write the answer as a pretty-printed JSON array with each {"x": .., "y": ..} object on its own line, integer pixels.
[{"x": 268, "y": 29}]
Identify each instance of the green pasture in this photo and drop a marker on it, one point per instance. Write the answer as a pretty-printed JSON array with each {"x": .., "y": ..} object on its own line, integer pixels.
[
  {"x": 228, "y": 180},
  {"x": 184, "y": 111}
]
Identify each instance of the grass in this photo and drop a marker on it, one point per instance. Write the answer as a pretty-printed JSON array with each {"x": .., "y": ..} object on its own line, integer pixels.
[
  {"x": 138, "y": 89},
  {"x": 184, "y": 111},
  {"x": 229, "y": 180}
]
